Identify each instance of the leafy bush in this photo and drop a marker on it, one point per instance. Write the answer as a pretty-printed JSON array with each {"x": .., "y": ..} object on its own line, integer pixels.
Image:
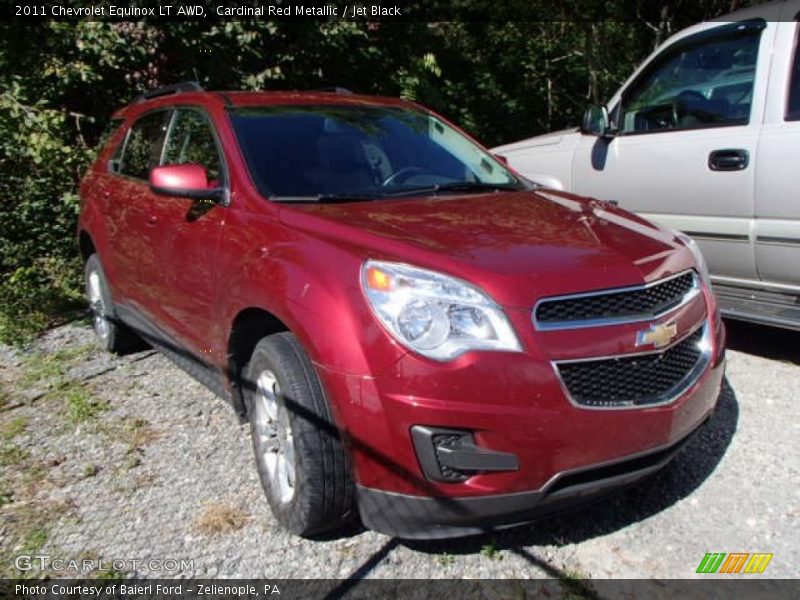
[
  {"x": 39, "y": 270},
  {"x": 33, "y": 297}
]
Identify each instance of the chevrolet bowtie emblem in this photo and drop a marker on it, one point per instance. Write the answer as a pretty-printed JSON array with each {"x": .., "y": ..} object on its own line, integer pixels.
[{"x": 658, "y": 335}]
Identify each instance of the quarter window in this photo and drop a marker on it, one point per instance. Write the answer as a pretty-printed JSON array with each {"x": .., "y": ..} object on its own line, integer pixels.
[
  {"x": 143, "y": 149},
  {"x": 705, "y": 83},
  {"x": 191, "y": 141}
]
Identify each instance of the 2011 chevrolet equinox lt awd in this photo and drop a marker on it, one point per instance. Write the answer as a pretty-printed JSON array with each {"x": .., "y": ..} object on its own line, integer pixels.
[{"x": 413, "y": 331}]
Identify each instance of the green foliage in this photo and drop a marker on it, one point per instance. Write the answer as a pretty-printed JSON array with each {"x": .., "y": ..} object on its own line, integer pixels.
[
  {"x": 11, "y": 429},
  {"x": 81, "y": 406},
  {"x": 31, "y": 296},
  {"x": 501, "y": 81}
]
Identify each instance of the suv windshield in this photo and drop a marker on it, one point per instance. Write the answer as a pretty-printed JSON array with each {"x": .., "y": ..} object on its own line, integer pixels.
[{"x": 355, "y": 152}]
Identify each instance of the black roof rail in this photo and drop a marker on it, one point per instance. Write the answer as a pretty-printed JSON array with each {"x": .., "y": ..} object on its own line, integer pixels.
[
  {"x": 166, "y": 90},
  {"x": 335, "y": 90}
]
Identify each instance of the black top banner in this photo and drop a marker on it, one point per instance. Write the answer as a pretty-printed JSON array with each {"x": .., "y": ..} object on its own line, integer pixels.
[{"x": 344, "y": 10}]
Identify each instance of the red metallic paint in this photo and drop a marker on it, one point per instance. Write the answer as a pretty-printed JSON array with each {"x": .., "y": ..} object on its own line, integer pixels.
[{"x": 193, "y": 276}]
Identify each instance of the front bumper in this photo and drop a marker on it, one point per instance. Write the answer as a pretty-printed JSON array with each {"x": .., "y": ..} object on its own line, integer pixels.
[
  {"x": 511, "y": 404},
  {"x": 419, "y": 517}
]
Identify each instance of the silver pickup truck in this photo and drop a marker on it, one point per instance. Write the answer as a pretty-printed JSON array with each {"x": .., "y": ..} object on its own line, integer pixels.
[{"x": 704, "y": 137}]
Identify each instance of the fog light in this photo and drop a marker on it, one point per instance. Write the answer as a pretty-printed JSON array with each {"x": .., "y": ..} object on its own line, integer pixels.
[{"x": 451, "y": 455}]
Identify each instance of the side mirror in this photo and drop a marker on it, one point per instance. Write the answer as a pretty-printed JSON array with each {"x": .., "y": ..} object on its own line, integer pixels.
[
  {"x": 186, "y": 181},
  {"x": 596, "y": 122}
]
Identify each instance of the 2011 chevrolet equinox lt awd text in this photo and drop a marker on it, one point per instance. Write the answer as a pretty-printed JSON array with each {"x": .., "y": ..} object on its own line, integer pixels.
[{"x": 415, "y": 333}]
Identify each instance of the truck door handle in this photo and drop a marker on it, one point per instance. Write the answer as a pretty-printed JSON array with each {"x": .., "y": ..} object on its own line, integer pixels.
[
  {"x": 728, "y": 159},
  {"x": 152, "y": 220}
]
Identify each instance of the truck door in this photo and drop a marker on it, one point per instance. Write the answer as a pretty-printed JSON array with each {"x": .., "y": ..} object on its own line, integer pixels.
[
  {"x": 777, "y": 227},
  {"x": 688, "y": 128}
]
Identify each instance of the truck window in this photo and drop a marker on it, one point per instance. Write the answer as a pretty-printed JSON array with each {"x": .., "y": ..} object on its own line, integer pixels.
[
  {"x": 695, "y": 84},
  {"x": 793, "y": 105}
]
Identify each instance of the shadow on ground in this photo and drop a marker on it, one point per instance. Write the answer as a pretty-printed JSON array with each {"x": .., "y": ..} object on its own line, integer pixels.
[{"x": 761, "y": 340}]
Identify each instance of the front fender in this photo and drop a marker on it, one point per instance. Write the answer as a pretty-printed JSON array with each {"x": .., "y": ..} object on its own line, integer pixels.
[{"x": 313, "y": 287}]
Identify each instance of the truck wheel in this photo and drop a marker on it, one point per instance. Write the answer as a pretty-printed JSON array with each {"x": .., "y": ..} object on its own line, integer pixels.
[
  {"x": 114, "y": 336},
  {"x": 303, "y": 466}
]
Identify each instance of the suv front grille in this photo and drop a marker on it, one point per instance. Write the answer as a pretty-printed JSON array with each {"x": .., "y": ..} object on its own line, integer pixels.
[
  {"x": 635, "y": 380},
  {"x": 640, "y": 303}
]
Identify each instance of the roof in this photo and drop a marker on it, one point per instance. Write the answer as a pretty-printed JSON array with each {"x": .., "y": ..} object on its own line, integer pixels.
[{"x": 177, "y": 95}]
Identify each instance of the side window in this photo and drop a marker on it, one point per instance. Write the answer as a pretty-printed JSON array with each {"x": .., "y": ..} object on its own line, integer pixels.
[
  {"x": 191, "y": 141},
  {"x": 705, "y": 83},
  {"x": 116, "y": 160},
  {"x": 143, "y": 149},
  {"x": 109, "y": 130},
  {"x": 793, "y": 105}
]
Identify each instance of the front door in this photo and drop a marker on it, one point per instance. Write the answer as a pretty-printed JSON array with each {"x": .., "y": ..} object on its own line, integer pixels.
[
  {"x": 187, "y": 234},
  {"x": 688, "y": 130}
]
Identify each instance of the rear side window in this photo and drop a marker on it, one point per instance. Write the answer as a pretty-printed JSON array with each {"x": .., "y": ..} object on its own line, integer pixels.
[
  {"x": 143, "y": 149},
  {"x": 191, "y": 140},
  {"x": 793, "y": 106},
  {"x": 108, "y": 132}
]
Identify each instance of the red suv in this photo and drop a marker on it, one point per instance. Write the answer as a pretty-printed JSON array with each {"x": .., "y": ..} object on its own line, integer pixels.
[{"x": 413, "y": 330}]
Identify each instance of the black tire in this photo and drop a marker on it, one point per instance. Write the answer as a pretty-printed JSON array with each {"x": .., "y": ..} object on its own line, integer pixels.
[
  {"x": 322, "y": 489},
  {"x": 113, "y": 335}
]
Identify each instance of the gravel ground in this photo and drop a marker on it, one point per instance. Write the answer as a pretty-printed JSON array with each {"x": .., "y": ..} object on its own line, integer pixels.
[{"x": 129, "y": 458}]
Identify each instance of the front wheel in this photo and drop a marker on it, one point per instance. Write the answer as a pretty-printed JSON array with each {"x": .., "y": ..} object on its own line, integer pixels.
[{"x": 303, "y": 466}]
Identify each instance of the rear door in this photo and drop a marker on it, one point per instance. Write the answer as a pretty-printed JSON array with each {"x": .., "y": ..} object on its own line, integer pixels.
[
  {"x": 688, "y": 134},
  {"x": 131, "y": 227},
  {"x": 777, "y": 188},
  {"x": 187, "y": 233}
]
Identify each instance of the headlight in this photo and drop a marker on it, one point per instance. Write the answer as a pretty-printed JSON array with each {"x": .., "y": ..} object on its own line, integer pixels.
[
  {"x": 699, "y": 260},
  {"x": 433, "y": 314}
]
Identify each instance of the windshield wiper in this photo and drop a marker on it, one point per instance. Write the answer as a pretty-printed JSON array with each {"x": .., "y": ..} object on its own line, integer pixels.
[
  {"x": 322, "y": 198},
  {"x": 455, "y": 186}
]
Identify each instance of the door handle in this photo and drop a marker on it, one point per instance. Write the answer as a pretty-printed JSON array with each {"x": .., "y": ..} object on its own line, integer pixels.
[
  {"x": 152, "y": 220},
  {"x": 729, "y": 159}
]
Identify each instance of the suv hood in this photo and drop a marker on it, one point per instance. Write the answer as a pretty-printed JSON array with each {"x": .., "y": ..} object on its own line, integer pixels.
[{"x": 518, "y": 246}]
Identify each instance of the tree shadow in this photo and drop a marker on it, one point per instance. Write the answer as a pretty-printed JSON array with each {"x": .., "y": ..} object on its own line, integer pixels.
[
  {"x": 684, "y": 474},
  {"x": 763, "y": 340}
]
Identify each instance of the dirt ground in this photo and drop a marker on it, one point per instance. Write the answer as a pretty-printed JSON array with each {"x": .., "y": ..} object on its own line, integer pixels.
[{"x": 127, "y": 462}]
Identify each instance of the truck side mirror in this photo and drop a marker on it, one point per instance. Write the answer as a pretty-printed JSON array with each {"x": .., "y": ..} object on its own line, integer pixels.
[{"x": 596, "y": 122}]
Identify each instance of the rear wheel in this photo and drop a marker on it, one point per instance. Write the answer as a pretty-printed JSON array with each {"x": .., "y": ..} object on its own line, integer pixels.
[
  {"x": 303, "y": 466},
  {"x": 113, "y": 335}
]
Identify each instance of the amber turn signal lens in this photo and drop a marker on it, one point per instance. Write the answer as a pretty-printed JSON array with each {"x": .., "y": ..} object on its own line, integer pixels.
[{"x": 378, "y": 280}]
